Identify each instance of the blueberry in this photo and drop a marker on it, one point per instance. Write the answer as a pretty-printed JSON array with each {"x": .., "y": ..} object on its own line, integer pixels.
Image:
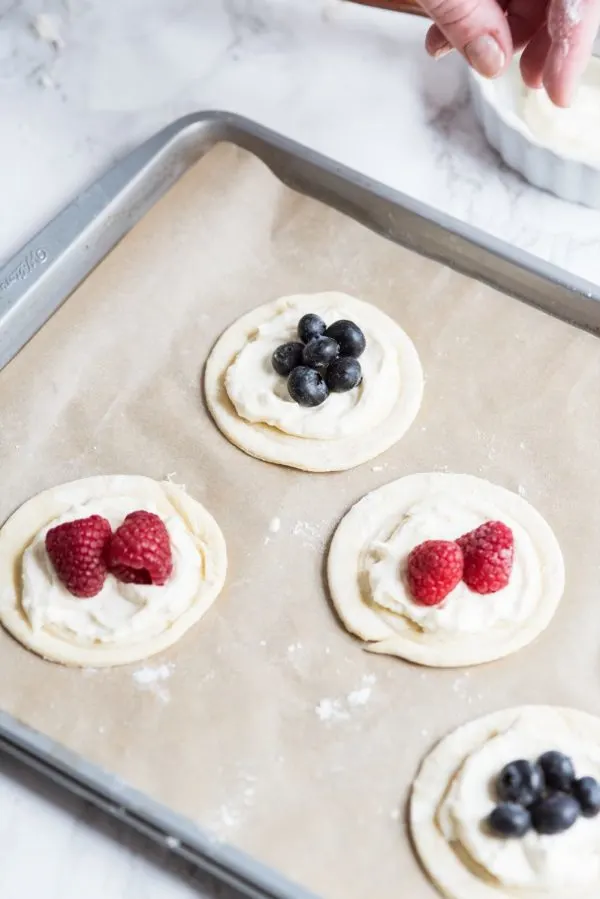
[
  {"x": 350, "y": 338},
  {"x": 320, "y": 352},
  {"x": 586, "y": 791},
  {"x": 554, "y": 814},
  {"x": 310, "y": 327},
  {"x": 286, "y": 357},
  {"x": 558, "y": 769},
  {"x": 306, "y": 387},
  {"x": 509, "y": 820},
  {"x": 521, "y": 782},
  {"x": 343, "y": 374}
]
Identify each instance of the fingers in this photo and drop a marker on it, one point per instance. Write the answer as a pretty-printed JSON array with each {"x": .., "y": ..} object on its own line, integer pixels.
[
  {"x": 533, "y": 60},
  {"x": 525, "y": 18},
  {"x": 477, "y": 28},
  {"x": 556, "y": 51},
  {"x": 436, "y": 44},
  {"x": 572, "y": 27}
]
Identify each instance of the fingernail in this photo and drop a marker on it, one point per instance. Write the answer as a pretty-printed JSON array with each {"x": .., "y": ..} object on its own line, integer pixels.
[
  {"x": 437, "y": 45},
  {"x": 442, "y": 51},
  {"x": 485, "y": 55}
]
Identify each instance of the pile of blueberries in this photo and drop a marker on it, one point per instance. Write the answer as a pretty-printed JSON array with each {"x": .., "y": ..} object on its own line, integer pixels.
[
  {"x": 544, "y": 795},
  {"x": 324, "y": 361}
]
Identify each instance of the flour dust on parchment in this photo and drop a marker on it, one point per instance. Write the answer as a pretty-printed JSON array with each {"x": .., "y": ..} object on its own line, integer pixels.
[
  {"x": 310, "y": 534},
  {"x": 153, "y": 678},
  {"x": 232, "y": 814},
  {"x": 274, "y": 528},
  {"x": 334, "y": 709},
  {"x": 235, "y": 812}
]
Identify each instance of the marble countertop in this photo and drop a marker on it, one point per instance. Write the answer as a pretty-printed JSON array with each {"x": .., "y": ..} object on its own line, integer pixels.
[{"x": 81, "y": 82}]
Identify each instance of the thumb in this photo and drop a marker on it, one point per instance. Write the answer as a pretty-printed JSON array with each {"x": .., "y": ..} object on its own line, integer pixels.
[{"x": 476, "y": 28}]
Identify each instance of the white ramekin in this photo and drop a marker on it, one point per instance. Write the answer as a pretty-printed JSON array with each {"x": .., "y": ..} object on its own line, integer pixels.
[{"x": 496, "y": 106}]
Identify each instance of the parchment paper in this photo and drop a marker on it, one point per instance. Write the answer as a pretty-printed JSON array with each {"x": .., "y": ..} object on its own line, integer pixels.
[{"x": 268, "y": 723}]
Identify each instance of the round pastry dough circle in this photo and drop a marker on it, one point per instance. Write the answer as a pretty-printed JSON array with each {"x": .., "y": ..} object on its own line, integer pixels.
[
  {"x": 451, "y": 875},
  {"x": 362, "y": 523},
  {"x": 22, "y": 527},
  {"x": 272, "y": 445}
]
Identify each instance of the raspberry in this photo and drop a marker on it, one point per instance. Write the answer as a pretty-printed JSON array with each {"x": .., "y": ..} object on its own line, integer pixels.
[
  {"x": 140, "y": 550},
  {"x": 489, "y": 552},
  {"x": 434, "y": 569},
  {"x": 77, "y": 550}
]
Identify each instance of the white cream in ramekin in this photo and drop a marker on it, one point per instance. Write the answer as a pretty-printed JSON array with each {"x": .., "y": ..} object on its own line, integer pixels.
[{"x": 555, "y": 149}]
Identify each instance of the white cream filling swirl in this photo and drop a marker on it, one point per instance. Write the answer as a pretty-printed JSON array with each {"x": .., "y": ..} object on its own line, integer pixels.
[
  {"x": 260, "y": 395},
  {"x": 448, "y": 515},
  {"x": 119, "y": 613},
  {"x": 535, "y": 863}
]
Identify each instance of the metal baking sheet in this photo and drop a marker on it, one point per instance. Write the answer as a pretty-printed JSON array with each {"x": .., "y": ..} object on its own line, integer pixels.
[
  {"x": 37, "y": 280},
  {"x": 43, "y": 273}
]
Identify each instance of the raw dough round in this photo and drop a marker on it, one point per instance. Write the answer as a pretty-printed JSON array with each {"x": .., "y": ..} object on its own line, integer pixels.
[
  {"x": 250, "y": 404},
  {"x": 373, "y": 540},
  {"x": 451, "y": 796},
  {"x": 123, "y": 623}
]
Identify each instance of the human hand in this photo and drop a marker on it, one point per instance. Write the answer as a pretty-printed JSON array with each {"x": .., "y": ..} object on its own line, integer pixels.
[{"x": 556, "y": 37}]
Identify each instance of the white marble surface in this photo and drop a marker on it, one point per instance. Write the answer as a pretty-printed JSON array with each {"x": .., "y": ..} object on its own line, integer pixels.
[
  {"x": 57, "y": 847},
  {"x": 86, "y": 82},
  {"x": 349, "y": 81}
]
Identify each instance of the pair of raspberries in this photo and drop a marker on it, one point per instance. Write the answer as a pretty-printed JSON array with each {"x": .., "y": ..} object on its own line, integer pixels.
[
  {"x": 483, "y": 559},
  {"x": 84, "y": 551}
]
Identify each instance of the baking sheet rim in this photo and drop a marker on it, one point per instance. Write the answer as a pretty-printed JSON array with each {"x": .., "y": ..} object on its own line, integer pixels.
[{"x": 76, "y": 774}]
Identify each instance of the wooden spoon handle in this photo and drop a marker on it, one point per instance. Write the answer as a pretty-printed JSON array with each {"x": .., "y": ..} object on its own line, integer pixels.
[{"x": 408, "y": 6}]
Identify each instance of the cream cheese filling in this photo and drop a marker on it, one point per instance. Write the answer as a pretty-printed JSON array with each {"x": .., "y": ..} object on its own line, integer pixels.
[
  {"x": 573, "y": 132},
  {"x": 260, "y": 395},
  {"x": 568, "y": 861},
  {"x": 120, "y": 613},
  {"x": 448, "y": 515}
]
